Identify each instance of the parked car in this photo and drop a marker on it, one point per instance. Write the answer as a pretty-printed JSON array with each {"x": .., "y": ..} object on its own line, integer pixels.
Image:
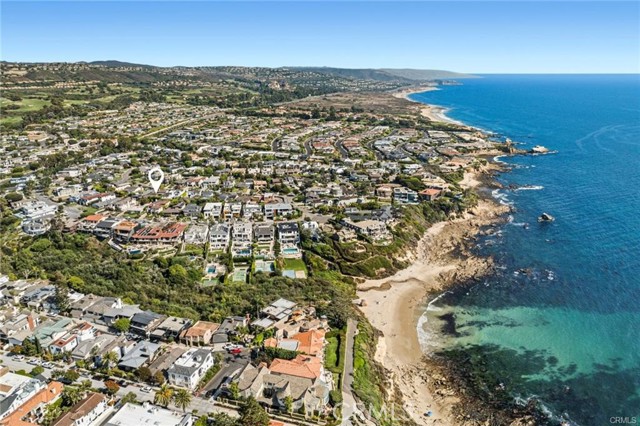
[
  {"x": 236, "y": 351},
  {"x": 232, "y": 346},
  {"x": 146, "y": 389}
]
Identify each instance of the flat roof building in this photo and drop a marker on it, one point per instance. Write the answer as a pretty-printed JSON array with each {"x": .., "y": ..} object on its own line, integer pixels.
[{"x": 147, "y": 414}]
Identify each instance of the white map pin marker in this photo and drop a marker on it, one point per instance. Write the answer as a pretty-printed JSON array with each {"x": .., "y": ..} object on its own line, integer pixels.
[{"x": 155, "y": 183}]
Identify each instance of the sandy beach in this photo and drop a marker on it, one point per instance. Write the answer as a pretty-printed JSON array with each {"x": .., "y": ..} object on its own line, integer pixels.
[
  {"x": 431, "y": 112},
  {"x": 394, "y": 304}
]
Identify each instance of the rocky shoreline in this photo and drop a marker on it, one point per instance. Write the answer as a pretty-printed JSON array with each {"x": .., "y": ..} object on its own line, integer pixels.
[
  {"x": 441, "y": 260},
  {"x": 442, "y": 383}
]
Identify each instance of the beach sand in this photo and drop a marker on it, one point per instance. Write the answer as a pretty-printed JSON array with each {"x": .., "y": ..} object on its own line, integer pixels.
[
  {"x": 431, "y": 112},
  {"x": 393, "y": 305}
]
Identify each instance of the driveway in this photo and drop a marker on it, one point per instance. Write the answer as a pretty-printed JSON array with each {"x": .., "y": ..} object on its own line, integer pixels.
[{"x": 231, "y": 365}]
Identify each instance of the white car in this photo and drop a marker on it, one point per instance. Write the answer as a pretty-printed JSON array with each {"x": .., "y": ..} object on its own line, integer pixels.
[{"x": 146, "y": 389}]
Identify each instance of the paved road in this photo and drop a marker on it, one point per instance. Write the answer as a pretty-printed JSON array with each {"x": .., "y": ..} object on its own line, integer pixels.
[
  {"x": 307, "y": 147},
  {"x": 202, "y": 405},
  {"x": 351, "y": 413},
  {"x": 348, "y": 400}
]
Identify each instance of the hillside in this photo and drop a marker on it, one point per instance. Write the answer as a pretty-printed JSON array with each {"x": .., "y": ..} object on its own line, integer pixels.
[{"x": 424, "y": 75}]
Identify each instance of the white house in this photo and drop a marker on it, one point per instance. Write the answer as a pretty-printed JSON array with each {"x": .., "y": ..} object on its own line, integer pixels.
[
  {"x": 187, "y": 371},
  {"x": 219, "y": 236}
]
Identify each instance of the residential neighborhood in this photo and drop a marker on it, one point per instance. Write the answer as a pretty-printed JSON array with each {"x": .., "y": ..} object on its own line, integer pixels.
[
  {"x": 158, "y": 350},
  {"x": 232, "y": 280}
]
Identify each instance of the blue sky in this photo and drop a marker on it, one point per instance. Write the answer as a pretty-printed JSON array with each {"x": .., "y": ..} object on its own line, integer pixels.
[{"x": 477, "y": 36}]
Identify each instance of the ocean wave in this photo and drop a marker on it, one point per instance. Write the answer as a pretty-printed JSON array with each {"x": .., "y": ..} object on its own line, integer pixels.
[
  {"x": 497, "y": 159},
  {"x": 530, "y": 188},
  {"x": 431, "y": 306},
  {"x": 545, "y": 409},
  {"x": 510, "y": 221},
  {"x": 501, "y": 197},
  {"x": 426, "y": 339}
]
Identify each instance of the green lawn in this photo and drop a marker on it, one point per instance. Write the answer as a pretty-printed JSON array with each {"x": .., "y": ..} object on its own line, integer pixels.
[
  {"x": 69, "y": 102},
  {"x": 26, "y": 105},
  {"x": 88, "y": 211},
  {"x": 295, "y": 264},
  {"x": 12, "y": 119}
]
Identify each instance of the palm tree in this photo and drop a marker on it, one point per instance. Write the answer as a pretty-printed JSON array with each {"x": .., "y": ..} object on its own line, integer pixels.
[
  {"x": 182, "y": 399},
  {"x": 109, "y": 358},
  {"x": 163, "y": 396},
  {"x": 71, "y": 396}
]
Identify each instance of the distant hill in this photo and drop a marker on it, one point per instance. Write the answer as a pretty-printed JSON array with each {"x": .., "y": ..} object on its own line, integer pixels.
[
  {"x": 310, "y": 80},
  {"x": 386, "y": 74},
  {"x": 361, "y": 73},
  {"x": 115, "y": 64},
  {"x": 421, "y": 75}
]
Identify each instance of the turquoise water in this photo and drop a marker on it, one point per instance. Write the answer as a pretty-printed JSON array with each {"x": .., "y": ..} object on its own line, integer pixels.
[{"x": 564, "y": 308}]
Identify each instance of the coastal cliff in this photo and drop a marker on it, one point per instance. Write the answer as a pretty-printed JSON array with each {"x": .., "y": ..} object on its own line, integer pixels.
[{"x": 442, "y": 259}]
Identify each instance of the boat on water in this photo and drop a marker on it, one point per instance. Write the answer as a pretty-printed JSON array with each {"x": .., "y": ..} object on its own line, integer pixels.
[{"x": 546, "y": 217}]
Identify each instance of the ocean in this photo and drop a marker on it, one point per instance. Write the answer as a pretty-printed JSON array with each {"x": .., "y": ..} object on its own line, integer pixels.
[{"x": 560, "y": 320}]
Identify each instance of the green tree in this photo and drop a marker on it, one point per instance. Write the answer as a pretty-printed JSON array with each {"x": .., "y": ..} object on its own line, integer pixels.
[
  {"x": 71, "y": 396},
  {"x": 178, "y": 274},
  {"x": 52, "y": 412},
  {"x": 130, "y": 397},
  {"x": 85, "y": 385},
  {"x": 71, "y": 375},
  {"x": 163, "y": 396},
  {"x": 38, "y": 369},
  {"x": 144, "y": 374},
  {"x": 122, "y": 324},
  {"x": 202, "y": 421},
  {"x": 182, "y": 399},
  {"x": 234, "y": 390},
  {"x": 252, "y": 414},
  {"x": 222, "y": 419},
  {"x": 109, "y": 359},
  {"x": 76, "y": 283},
  {"x": 158, "y": 378},
  {"x": 288, "y": 403},
  {"x": 62, "y": 299},
  {"x": 29, "y": 348}
]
